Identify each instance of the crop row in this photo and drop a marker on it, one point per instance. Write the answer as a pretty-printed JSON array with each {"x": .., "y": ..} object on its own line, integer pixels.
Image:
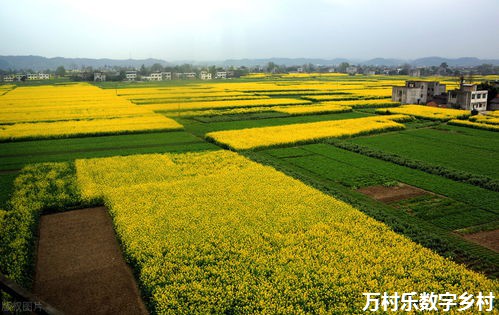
[
  {"x": 486, "y": 119},
  {"x": 302, "y": 133},
  {"x": 224, "y": 104},
  {"x": 65, "y": 129},
  {"x": 477, "y": 125},
  {"x": 197, "y": 99},
  {"x": 427, "y": 112}
]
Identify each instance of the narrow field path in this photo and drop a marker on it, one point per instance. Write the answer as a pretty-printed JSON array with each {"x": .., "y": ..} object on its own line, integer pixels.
[{"x": 80, "y": 268}]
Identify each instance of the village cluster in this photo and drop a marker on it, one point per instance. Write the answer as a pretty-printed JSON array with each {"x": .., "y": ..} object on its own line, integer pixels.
[{"x": 433, "y": 93}]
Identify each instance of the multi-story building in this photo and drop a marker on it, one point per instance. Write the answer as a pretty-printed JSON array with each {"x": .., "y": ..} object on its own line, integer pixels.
[
  {"x": 417, "y": 92},
  {"x": 37, "y": 76},
  {"x": 8, "y": 78},
  {"x": 131, "y": 75},
  {"x": 156, "y": 76},
  {"x": 468, "y": 97},
  {"x": 166, "y": 75},
  {"x": 351, "y": 70},
  {"x": 205, "y": 75},
  {"x": 221, "y": 75},
  {"x": 99, "y": 77}
]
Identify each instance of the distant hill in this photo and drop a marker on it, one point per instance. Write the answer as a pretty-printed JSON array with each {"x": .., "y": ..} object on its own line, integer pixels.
[
  {"x": 388, "y": 62},
  {"x": 38, "y": 63},
  {"x": 459, "y": 62},
  {"x": 283, "y": 61}
]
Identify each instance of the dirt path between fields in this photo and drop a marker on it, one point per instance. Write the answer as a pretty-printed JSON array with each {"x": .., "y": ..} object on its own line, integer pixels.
[{"x": 80, "y": 268}]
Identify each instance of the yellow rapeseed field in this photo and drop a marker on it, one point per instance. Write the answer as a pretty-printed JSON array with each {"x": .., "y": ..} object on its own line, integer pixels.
[
  {"x": 215, "y": 233},
  {"x": 363, "y": 103},
  {"x": 492, "y": 119},
  {"x": 252, "y": 138},
  {"x": 224, "y": 104},
  {"x": 477, "y": 125},
  {"x": 73, "y": 128},
  {"x": 73, "y": 110},
  {"x": 428, "y": 112},
  {"x": 313, "y": 109},
  {"x": 223, "y": 111}
]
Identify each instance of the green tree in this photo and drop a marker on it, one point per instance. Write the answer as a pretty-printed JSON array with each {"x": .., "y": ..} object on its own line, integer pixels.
[
  {"x": 143, "y": 70},
  {"x": 157, "y": 68},
  {"x": 343, "y": 67},
  {"x": 60, "y": 71}
]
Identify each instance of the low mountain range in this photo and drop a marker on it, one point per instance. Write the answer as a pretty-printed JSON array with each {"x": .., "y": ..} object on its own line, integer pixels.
[{"x": 38, "y": 63}]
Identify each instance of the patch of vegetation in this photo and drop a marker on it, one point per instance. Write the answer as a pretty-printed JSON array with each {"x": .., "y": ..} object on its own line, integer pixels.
[
  {"x": 16, "y": 154},
  {"x": 6, "y": 185},
  {"x": 454, "y": 174},
  {"x": 473, "y": 195},
  {"x": 444, "y": 212}
]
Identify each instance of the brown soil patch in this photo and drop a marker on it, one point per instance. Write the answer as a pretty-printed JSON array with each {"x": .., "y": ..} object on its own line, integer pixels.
[
  {"x": 392, "y": 194},
  {"x": 80, "y": 268},
  {"x": 489, "y": 239}
]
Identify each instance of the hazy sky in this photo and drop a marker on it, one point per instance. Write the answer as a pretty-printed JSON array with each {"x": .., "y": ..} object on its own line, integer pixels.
[{"x": 216, "y": 29}]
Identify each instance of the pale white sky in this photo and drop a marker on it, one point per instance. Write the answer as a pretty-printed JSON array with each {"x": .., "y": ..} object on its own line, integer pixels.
[{"x": 217, "y": 29}]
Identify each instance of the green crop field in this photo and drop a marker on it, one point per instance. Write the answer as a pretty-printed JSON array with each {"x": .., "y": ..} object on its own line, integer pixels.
[
  {"x": 472, "y": 153},
  {"x": 14, "y": 155}
]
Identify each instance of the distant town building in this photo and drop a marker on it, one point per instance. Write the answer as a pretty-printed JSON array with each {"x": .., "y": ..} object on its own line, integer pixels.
[
  {"x": 131, "y": 75},
  {"x": 167, "y": 75},
  {"x": 37, "y": 76},
  {"x": 8, "y": 78},
  {"x": 351, "y": 70},
  {"x": 205, "y": 75},
  {"x": 417, "y": 92},
  {"x": 99, "y": 77},
  {"x": 221, "y": 75},
  {"x": 415, "y": 72},
  {"x": 370, "y": 72},
  {"x": 156, "y": 76},
  {"x": 468, "y": 97}
]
